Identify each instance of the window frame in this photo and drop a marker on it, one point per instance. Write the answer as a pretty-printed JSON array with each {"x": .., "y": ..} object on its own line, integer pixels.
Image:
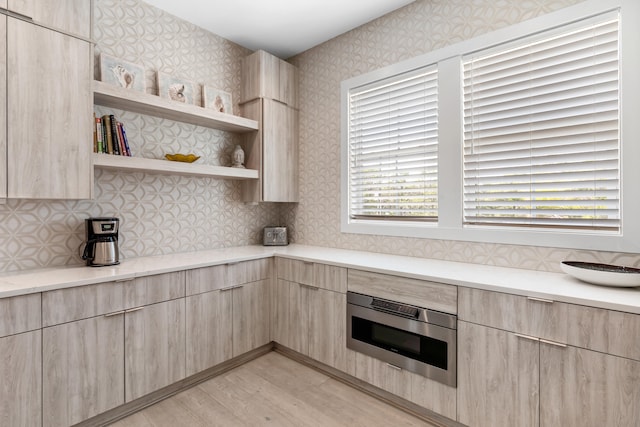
[{"x": 449, "y": 59}]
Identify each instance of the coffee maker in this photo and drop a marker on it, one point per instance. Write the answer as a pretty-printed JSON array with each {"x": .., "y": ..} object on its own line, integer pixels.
[{"x": 102, "y": 242}]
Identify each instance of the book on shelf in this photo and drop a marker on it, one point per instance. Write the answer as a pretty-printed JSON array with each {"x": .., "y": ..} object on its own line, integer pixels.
[
  {"x": 114, "y": 135},
  {"x": 110, "y": 137}
]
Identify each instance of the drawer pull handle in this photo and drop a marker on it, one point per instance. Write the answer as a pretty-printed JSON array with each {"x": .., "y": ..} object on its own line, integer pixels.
[
  {"x": 133, "y": 309},
  {"x": 230, "y": 288},
  {"x": 548, "y": 301},
  {"x": 229, "y": 264},
  {"x": 124, "y": 280},
  {"x": 527, "y": 337},
  {"x": 311, "y": 288},
  {"x": 397, "y": 368},
  {"x": 557, "y": 344},
  {"x": 115, "y": 313}
]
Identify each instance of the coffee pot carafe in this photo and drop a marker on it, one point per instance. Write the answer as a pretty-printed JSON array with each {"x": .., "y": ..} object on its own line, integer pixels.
[{"x": 101, "y": 247}]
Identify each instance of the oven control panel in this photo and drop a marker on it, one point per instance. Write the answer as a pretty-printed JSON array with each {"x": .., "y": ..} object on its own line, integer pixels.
[{"x": 401, "y": 309}]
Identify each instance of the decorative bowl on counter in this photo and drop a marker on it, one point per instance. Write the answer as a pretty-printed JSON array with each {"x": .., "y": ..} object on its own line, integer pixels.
[
  {"x": 602, "y": 274},
  {"x": 186, "y": 158}
]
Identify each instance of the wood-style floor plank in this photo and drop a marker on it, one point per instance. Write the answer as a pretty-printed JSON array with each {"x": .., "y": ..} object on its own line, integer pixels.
[{"x": 272, "y": 390}]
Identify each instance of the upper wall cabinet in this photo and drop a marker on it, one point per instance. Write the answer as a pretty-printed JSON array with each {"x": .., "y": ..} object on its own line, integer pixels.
[
  {"x": 270, "y": 96},
  {"x": 3, "y": 107},
  {"x": 49, "y": 109},
  {"x": 267, "y": 76},
  {"x": 70, "y": 16}
]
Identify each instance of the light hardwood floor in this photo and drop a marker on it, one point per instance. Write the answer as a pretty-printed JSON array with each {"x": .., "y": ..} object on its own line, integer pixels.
[{"x": 272, "y": 390}]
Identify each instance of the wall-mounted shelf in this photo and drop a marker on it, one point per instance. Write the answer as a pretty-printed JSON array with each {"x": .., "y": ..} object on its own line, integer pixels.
[
  {"x": 124, "y": 99},
  {"x": 139, "y": 164}
]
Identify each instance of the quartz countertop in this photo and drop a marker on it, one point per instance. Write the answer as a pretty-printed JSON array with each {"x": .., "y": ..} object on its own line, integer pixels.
[{"x": 553, "y": 286}]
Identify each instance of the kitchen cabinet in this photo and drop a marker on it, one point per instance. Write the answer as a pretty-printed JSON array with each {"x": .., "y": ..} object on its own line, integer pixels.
[
  {"x": 269, "y": 95},
  {"x": 267, "y": 76},
  {"x": 154, "y": 347},
  {"x": 70, "y": 16},
  {"x": 21, "y": 379},
  {"x": 310, "y": 310},
  {"x": 498, "y": 378},
  {"x": 109, "y": 343},
  {"x": 83, "y": 363},
  {"x": 49, "y": 122},
  {"x": 227, "y": 312},
  {"x": 21, "y": 361},
  {"x": 511, "y": 373},
  {"x": 3, "y": 107}
]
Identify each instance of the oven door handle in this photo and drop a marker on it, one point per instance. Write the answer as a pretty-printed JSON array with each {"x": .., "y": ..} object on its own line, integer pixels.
[{"x": 393, "y": 313}]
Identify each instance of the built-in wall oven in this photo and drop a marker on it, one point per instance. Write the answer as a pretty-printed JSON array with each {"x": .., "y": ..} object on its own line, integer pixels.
[{"x": 409, "y": 337}]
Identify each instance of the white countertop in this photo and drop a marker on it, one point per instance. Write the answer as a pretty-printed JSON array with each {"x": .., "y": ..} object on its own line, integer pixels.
[{"x": 554, "y": 286}]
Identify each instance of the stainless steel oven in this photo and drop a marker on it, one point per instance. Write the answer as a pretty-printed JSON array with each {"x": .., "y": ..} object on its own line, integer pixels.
[{"x": 409, "y": 337}]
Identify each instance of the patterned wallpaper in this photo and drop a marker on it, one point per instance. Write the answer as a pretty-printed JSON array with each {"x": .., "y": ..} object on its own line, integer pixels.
[
  {"x": 418, "y": 28},
  {"x": 159, "y": 214},
  {"x": 168, "y": 214}
]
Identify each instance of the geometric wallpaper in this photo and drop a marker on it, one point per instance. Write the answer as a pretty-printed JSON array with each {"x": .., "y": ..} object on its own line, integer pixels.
[{"x": 163, "y": 214}]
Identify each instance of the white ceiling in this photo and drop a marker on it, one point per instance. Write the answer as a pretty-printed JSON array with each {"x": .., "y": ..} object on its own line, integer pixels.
[{"x": 281, "y": 27}]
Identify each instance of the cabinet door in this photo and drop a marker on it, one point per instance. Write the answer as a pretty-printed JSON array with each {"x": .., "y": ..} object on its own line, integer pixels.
[
  {"x": 208, "y": 330},
  {"x": 21, "y": 379},
  {"x": 154, "y": 347},
  {"x": 83, "y": 369},
  {"x": 49, "y": 141},
  {"x": 585, "y": 388},
  {"x": 498, "y": 378},
  {"x": 280, "y": 152},
  {"x": 250, "y": 316},
  {"x": 3, "y": 108},
  {"x": 72, "y": 16},
  {"x": 380, "y": 374},
  {"x": 327, "y": 327},
  {"x": 290, "y": 317}
]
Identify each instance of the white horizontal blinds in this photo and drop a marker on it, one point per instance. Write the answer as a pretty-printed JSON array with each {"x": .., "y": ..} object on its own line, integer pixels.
[
  {"x": 393, "y": 143},
  {"x": 541, "y": 131}
]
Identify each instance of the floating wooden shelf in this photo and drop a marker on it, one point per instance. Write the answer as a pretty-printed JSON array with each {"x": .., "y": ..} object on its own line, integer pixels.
[
  {"x": 124, "y": 99},
  {"x": 139, "y": 164}
]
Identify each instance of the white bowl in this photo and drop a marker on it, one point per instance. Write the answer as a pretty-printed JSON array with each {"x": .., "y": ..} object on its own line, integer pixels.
[{"x": 602, "y": 274}]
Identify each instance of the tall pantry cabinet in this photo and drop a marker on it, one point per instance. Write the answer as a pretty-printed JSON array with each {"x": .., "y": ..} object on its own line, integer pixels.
[
  {"x": 48, "y": 74},
  {"x": 270, "y": 95}
]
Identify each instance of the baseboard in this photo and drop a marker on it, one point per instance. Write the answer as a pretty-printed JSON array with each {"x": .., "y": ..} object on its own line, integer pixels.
[
  {"x": 395, "y": 401},
  {"x": 134, "y": 406}
]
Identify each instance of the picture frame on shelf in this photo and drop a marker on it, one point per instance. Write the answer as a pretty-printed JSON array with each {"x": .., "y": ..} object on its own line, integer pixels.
[
  {"x": 122, "y": 73},
  {"x": 217, "y": 99},
  {"x": 175, "y": 89}
]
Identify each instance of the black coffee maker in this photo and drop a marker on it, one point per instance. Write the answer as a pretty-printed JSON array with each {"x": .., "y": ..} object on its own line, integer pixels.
[{"x": 102, "y": 242}]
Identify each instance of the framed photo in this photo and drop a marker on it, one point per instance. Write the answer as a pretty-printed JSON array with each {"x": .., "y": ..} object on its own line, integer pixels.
[
  {"x": 216, "y": 99},
  {"x": 121, "y": 73},
  {"x": 176, "y": 89}
]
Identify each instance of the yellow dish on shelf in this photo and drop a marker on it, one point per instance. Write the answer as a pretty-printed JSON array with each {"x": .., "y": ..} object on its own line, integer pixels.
[{"x": 186, "y": 158}]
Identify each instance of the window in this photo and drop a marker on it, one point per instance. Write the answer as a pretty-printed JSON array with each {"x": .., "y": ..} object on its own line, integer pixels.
[
  {"x": 541, "y": 139},
  {"x": 393, "y": 147},
  {"x": 527, "y": 135}
]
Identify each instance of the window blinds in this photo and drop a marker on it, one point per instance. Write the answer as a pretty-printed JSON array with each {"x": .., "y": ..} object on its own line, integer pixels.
[
  {"x": 393, "y": 151},
  {"x": 541, "y": 131}
]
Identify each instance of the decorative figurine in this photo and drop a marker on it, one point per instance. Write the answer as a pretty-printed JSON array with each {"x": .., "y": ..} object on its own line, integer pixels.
[{"x": 238, "y": 157}]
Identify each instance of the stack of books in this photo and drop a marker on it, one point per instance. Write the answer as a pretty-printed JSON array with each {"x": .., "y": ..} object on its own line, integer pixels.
[{"x": 110, "y": 137}]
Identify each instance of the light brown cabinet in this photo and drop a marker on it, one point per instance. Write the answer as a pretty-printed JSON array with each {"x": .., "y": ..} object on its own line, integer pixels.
[
  {"x": 49, "y": 121},
  {"x": 227, "y": 312},
  {"x": 110, "y": 343},
  {"x": 267, "y": 76},
  {"x": 310, "y": 310},
  {"x": 269, "y": 96},
  {"x": 532, "y": 362},
  {"x": 3, "y": 108},
  {"x": 70, "y": 16},
  {"x": 21, "y": 361}
]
